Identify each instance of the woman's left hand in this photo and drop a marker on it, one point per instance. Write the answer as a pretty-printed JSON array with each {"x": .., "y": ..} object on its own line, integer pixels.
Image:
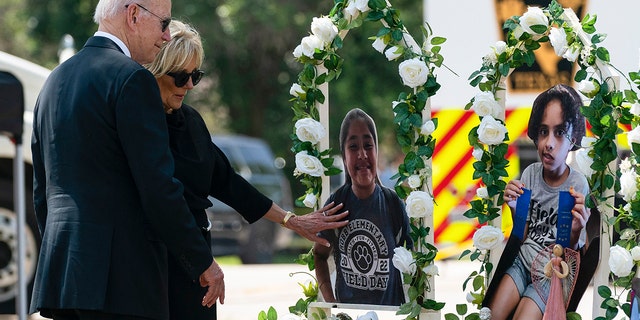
[{"x": 327, "y": 217}]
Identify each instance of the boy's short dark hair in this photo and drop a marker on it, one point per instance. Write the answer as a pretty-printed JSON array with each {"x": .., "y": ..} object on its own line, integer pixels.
[{"x": 570, "y": 101}]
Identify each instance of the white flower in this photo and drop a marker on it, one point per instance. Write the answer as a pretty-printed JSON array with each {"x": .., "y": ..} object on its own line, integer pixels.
[
  {"x": 625, "y": 165},
  {"x": 414, "y": 181},
  {"x": 491, "y": 131},
  {"x": 628, "y": 185},
  {"x": 362, "y": 5},
  {"x": 620, "y": 261},
  {"x": 310, "y": 130},
  {"x": 485, "y": 313},
  {"x": 414, "y": 72},
  {"x": 484, "y": 104},
  {"x": 633, "y": 136},
  {"x": 324, "y": 29},
  {"x": 587, "y": 142},
  {"x": 308, "y": 164},
  {"x": 371, "y": 315},
  {"x": 491, "y": 58},
  {"x": 427, "y": 170},
  {"x": 310, "y": 200},
  {"x": 518, "y": 32},
  {"x": 572, "y": 52},
  {"x": 351, "y": 11},
  {"x": 584, "y": 162},
  {"x": 470, "y": 297},
  {"x": 393, "y": 53},
  {"x": 309, "y": 44},
  {"x": 588, "y": 87},
  {"x": 477, "y": 153},
  {"x": 635, "y": 253},
  {"x": 534, "y": 17},
  {"x": 403, "y": 260},
  {"x": 482, "y": 193},
  {"x": 500, "y": 47},
  {"x": 427, "y": 128},
  {"x": 379, "y": 45},
  {"x": 297, "y": 52},
  {"x": 628, "y": 234},
  {"x": 431, "y": 270},
  {"x": 296, "y": 90},
  {"x": 635, "y": 109},
  {"x": 487, "y": 237},
  {"x": 558, "y": 39},
  {"x": 419, "y": 204}
]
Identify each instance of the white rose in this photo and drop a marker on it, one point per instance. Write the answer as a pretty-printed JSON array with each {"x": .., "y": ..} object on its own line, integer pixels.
[
  {"x": 403, "y": 260},
  {"x": 309, "y": 45},
  {"x": 620, "y": 261},
  {"x": 393, "y": 53},
  {"x": 558, "y": 39},
  {"x": 635, "y": 253},
  {"x": 628, "y": 185},
  {"x": 489, "y": 59},
  {"x": 484, "y": 104},
  {"x": 633, "y": 136},
  {"x": 587, "y": 142},
  {"x": 491, "y": 131},
  {"x": 362, "y": 5},
  {"x": 625, "y": 164},
  {"x": 419, "y": 204},
  {"x": 589, "y": 88},
  {"x": 431, "y": 270},
  {"x": 427, "y": 128},
  {"x": 628, "y": 234},
  {"x": 482, "y": 193},
  {"x": 414, "y": 181},
  {"x": 584, "y": 162},
  {"x": 500, "y": 47},
  {"x": 297, "y": 52},
  {"x": 470, "y": 297},
  {"x": 414, "y": 72},
  {"x": 379, "y": 45},
  {"x": 518, "y": 32},
  {"x": 309, "y": 164},
  {"x": 310, "y": 130},
  {"x": 635, "y": 109},
  {"x": 296, "y": 90},
  {"x": 351, "y": 11},
  {"x": 371, "y": 315},
  {"x": 573, "y": 52},
  {"x": 485, "y": 313},
  {"x": 477, "y": 153},
  {"x": 310, "y": 200},
  {"x": 487, "y": 237},
  {"x": 534, "y": 17},
  {"x": 324, "y": 29},
  {"x": 427, "y": 170}
]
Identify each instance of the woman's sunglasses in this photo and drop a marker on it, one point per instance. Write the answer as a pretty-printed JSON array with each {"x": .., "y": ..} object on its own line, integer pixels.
[{"x": 181, "y": 78}]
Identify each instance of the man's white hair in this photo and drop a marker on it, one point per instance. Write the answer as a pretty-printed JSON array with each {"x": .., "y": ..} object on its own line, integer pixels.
[{"x": 108, "y": 9}]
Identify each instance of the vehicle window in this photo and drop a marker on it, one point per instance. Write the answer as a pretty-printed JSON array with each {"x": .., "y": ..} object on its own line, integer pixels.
[{"x": 258, "y": 158}]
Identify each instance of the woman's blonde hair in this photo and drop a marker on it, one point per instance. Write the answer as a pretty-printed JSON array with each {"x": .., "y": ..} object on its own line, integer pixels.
[{"x": 184, "y": 45}]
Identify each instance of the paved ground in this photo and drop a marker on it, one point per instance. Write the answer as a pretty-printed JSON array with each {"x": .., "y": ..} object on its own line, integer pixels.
[{"x": 253, "y": 288}]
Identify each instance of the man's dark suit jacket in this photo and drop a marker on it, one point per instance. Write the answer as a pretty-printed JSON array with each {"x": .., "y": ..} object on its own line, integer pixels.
[{"x": 104, "y": 193}]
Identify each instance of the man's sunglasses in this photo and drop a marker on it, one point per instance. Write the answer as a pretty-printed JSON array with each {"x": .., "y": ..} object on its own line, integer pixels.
[
  {"x": 181, "y": 78},
  {"x": 164, "y": 22}
]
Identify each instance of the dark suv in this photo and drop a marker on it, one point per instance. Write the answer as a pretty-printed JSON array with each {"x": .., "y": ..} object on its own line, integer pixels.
[{"x": 232, "y": 235}]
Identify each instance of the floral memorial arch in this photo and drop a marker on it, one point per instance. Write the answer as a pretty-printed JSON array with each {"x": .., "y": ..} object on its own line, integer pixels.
[{"x": 609, "y": 106}]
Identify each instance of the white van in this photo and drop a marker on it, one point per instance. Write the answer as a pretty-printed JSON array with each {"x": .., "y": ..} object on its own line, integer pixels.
[{"x": 20, "y": 81}]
